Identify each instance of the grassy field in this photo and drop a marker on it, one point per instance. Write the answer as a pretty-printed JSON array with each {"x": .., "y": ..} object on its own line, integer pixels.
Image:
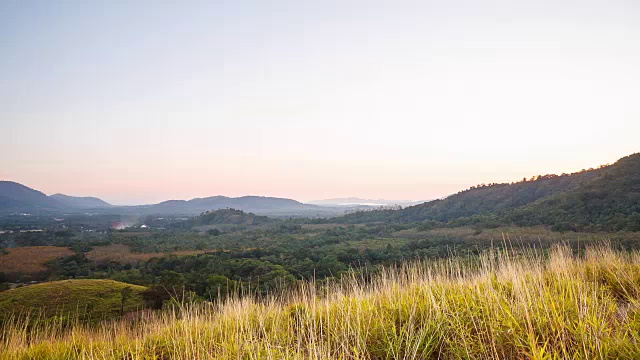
[
  {"x": 529, "y": 233},
  {"x": 68, "y": 300},
  {"x": 498, "y": 306},
  {"x": 30, "y": 259}
]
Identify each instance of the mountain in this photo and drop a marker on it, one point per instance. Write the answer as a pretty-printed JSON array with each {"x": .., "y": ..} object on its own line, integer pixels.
[
  {"x": 255, "y": 204},
  {"x": 606, "y": 198},
  {"x": 80, "y": 202},
  {"x": 16, "y": 197},
  {"x": 355, "y": 201}
]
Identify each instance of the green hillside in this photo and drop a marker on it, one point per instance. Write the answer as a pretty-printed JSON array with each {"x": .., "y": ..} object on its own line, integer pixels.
[
  {"x": 610, "y": 202},
  {"x": 606, "y": 198},
  {"x": 89, "y": 300}
]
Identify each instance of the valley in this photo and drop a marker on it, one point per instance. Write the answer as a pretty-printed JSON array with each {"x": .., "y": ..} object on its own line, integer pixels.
[{"x": 112, "y": 266}]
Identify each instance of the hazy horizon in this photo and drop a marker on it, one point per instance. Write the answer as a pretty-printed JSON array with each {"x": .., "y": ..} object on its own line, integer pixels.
[
  {"x": 159, "y": 199},
  {"x": 141, "y": 103}
]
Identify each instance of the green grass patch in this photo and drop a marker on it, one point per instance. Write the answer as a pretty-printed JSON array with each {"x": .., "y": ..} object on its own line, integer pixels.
[{"x": 71, "y": 300}]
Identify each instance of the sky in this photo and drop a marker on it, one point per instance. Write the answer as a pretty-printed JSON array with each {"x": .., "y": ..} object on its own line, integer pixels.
[{"x": 139, "y": 102}]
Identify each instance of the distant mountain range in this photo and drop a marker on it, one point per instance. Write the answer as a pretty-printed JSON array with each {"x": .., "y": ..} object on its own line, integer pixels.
[
  {"x": 606, "y": 198},
  {"x": 256, "y": 204},
  {"x": 17, "y": 198}
]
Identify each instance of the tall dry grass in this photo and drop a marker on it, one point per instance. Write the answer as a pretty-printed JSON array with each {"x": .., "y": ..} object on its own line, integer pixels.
[{"x": 503, "y": 305}]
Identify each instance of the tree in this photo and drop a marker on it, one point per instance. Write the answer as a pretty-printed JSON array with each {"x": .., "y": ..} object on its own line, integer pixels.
[
  {"x": 125, "y": 293},
  {"x": 155, "y": 296},
  {"x": 219, "y": 286}
]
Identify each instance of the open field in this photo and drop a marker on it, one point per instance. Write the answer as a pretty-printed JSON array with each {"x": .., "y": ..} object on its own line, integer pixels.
[
  {"x": 122, "y": 254},
  {"x": 30, "y": 259},
  {"x": 498, "y": 307}
]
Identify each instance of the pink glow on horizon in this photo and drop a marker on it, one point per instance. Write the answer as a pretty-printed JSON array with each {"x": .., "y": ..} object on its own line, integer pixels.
[
  {"x": 137, "y": 187},
  {"x": 312, "y": 100}
]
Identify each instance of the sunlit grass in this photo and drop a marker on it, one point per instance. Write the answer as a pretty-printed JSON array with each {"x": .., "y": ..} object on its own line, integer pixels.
[{"x": 503, "y": 305}]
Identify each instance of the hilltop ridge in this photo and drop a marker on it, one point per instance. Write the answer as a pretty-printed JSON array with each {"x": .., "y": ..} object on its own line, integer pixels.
[{"x": 604, "y": 198}]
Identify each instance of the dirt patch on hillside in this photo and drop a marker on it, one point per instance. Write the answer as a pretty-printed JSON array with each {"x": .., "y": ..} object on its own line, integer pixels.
[
  {"x": 30, "y": 259},
  {"x": 122, "y": 254}
]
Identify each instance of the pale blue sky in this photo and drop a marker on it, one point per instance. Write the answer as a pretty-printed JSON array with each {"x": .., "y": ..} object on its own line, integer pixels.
[{"x": 139, "y": 102}]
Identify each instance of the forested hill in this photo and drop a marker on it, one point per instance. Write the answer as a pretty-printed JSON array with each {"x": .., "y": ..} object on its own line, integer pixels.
[
  {"x": 610, "y": 201},
  {"x": 227, "y": 216},
  {"x": 606, "y": 198}
]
